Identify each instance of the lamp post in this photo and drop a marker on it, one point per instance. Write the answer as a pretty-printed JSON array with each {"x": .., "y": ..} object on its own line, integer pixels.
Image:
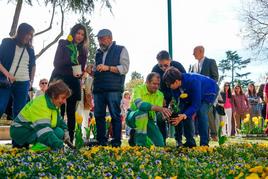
[{"x": 170, "y": 29}]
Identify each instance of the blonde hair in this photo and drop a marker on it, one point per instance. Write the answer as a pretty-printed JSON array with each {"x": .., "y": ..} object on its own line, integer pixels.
[{"x": 126, "y": 93}]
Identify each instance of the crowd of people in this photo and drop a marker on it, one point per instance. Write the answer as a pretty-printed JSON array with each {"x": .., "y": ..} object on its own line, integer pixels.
[{"x": 145, "y": 113}]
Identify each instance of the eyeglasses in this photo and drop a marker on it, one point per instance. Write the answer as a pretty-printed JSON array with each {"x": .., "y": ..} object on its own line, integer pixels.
[
  {"x": 165, "y": 65},
  {"x": 44, "y": 83}
]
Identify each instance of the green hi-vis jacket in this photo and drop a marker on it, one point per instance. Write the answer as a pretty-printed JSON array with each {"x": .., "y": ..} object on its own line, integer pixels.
[
  {"x": 37, "y": 122},
  {"x": 143, "y": 100}
]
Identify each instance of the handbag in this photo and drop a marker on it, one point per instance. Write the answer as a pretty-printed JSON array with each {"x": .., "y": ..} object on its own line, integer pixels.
[
  {"x": 220, "y": 110},
  {"x": 4, "y": 82}
]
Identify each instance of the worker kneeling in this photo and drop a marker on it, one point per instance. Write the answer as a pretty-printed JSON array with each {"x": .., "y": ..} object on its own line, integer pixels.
[
  {"x": 146, "y": 107},
  {"x": 40, "y": 122}
]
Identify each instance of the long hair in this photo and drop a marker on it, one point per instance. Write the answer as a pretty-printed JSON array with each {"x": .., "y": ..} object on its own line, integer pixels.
[
  {"x": 229, "y": 92},
  {"x": 241, "y": 90},
  {"x": 22, "y": 31},
  {"x": 254, "y": 90},
  {"x": 84, "y": 44}
]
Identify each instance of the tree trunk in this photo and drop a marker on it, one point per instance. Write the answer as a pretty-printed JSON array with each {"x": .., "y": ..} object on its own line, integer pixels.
[{"x": 16, "y": 18}]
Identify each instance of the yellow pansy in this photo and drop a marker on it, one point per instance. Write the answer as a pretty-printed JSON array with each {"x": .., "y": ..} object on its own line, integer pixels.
[
  {"x": 70, "y": 177},
  {"x": 70, "y": 38},
  {"x": 183, "y": 95},
  {"x": 253, "y": 176},
  {"x": 78, "y": 118},
  {"x": 241, "y": 174},
  {"x": 158, "y": 177},
  {"x": 222, "y": 123},
  {"x": 257, "y": 169}
]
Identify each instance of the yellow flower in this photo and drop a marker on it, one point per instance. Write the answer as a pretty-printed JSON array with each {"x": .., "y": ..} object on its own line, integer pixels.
[
  {"x": 183, "y": 95},
  {"x": 93, "y": 121},
  {"x": 222, "y": 123},
  {"x": 247, "y": 115},
  {"x": 253, "y": 176},
  {"x": 78, "y": 118},
  {"x": 108, "y": 118},
  {"x": 70, "y": 177},
  {"x": 257, "y": 169},
  {"x": 255, "y": 119},
  {"x": 152, "y": 147},
  {"x": 241, "y": 174},
  {"x": 141, "y": 167},
  {"x": 266, "y": 120},
  {"x": 70, "y": 38},
  {"x": 246, "y": 120},
  {"x": 158, "y": 177}
]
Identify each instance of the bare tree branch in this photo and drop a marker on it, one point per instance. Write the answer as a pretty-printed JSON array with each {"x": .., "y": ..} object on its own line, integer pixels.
[
  {"x": 51, "y": 21},
  {"x": 255, "y": 19},
  {"x": 57, "y": 37},
  {"x": 16, "y": 18}
]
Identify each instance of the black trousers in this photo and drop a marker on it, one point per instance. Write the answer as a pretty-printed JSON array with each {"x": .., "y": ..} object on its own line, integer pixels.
[
  {"x": 70, "y": 109},
  {"x": 162, "y": 125}
]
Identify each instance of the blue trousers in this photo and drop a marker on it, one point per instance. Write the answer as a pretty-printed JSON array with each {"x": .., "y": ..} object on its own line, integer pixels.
[
  {"x": 19, "y": 92},
  {"x": 202, "y": 115},
  {"x": 101, "y": 101}
]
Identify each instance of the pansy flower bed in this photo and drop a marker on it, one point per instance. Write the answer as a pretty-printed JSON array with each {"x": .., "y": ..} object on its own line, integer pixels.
[{"x": 226, "y": 161}]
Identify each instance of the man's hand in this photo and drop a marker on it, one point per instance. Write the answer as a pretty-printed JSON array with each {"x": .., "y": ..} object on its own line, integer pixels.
[
  {"x": 175, "y": 121},
  {"x": 102, "y": 68},
  {"x": 166, "y": 112}
]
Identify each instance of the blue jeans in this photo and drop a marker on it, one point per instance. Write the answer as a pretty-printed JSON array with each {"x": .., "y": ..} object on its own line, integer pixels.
[
  {"x": 101, "y": 101},
  {"x": 202, "y": 115},
  {"x": 185, "y": 127},
  {"x": 19, "y": 92}
]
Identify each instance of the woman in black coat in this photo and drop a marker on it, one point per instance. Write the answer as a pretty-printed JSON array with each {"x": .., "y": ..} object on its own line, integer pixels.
[{"x": 69, "y": 64}]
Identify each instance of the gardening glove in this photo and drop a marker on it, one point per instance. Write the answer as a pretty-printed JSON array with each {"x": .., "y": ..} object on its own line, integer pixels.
[{"x": 66, "y": 137}]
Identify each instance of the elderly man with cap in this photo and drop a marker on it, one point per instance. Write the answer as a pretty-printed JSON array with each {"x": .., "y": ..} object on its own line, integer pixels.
[{"x": 111, "y": 66}]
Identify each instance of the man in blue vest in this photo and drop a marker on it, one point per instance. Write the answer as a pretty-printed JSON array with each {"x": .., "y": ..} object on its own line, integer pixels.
[{"x": 111, "y": 66}]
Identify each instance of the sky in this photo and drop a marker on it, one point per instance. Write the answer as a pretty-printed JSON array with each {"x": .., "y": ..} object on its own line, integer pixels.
[{"x": 141, "y": 26}]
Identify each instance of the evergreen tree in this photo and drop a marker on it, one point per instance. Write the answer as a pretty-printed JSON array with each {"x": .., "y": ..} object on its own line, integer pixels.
[
  {"x": 231, "y": 67},
  {"x": 136, "y": 79},
  {"x": 136, "y": 75},
  {"x": 92, "y": 46}
]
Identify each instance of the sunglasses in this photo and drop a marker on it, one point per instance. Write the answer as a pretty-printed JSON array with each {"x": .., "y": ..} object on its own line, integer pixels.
[
  {"x": 165, "y": 65},
  {"x": 44, "y": 83}
]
